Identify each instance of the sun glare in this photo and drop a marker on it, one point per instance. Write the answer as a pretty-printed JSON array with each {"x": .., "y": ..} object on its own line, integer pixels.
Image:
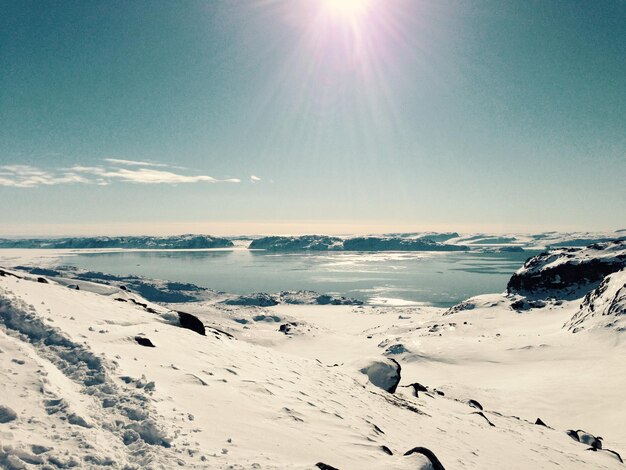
[{"x": 348, "y": 9}]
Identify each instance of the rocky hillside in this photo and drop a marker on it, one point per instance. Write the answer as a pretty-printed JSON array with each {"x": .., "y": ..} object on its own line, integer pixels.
[
  {"x": 603, "y": 307},
  {"x": 568, "y": 272}
]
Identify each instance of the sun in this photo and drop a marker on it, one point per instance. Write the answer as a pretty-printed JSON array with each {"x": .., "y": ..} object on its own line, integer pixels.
[{"x": 347, "y": 9}]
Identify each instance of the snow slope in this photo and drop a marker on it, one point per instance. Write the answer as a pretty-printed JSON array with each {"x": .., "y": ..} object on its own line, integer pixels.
[
  {"x": 603, "y": 307},
  {"x": 86, "y": 393}
]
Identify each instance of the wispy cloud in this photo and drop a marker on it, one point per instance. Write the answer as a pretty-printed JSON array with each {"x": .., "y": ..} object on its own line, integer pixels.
[
  {"x": 26, "y": 176},
  {"x": 254, "y": 179},
  {"x": 119, "y": 161}
]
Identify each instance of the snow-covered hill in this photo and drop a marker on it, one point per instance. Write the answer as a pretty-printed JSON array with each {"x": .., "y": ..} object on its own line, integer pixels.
[
  {"x": 99, "y": 377},
  {"x": 568, "y": 272},
  {"x": 603, "y": 307},
  {"x": 147, "y": 242}
]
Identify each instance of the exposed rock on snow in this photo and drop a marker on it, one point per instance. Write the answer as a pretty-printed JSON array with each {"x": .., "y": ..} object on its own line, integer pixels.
[
  {"x": 568, "y": 272},
  {"x": 144, "y": 341},
  {"x": 417, "y": 387},
  {"x": 323, "y": 466},
  {"x": 191, "y": 322},
  {"x": 383, "y": 374},
  {"x": 300, "y": 297},
  {"x": 482, "y": 415},
  {"x": 7, "y": 414},
  {"x": 287, "y": 328},
  {"x": 603, "y": 307},
  {"x": 151, "y": 289},
  {"x": 386, "y": 450},
  {"x": 585, "y": 438},
  {"x": 396, "y": 349},
  {"x": 475, "y": 404},
  {"x": 307, "y": 297},
  {"x": 434, "y": 461},
  {"x": 260, "y": 299}
]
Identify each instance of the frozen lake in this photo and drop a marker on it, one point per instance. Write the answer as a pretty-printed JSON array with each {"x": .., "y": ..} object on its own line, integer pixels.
[{"x": 440, "y": 279}]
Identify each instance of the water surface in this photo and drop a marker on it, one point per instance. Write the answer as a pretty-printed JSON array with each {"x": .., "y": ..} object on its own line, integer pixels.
[{"x": 441, "y": 279}]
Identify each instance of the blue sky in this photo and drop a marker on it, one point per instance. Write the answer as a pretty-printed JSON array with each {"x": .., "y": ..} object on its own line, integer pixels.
[{"x": 154, "y": 116}]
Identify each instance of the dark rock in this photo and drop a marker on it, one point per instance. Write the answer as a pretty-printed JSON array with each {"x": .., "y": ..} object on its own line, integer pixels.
[
  {"x": 386, "y": 450},
  {"x": 220, "y": 332},
  {"x": 396, "y": 349},
  {"x": 7, "y": 414},
  {"x": 4, "y": 273},
  {"x": 434, "y": 461},
  {"x": 119, "y": 299},
  {"x": 324, "y": 466},
  {"x": 42, "y": 280},
  {"x": 417, "y": 387},
  {"x": 144, "y": 341},
  {"x": 287, "y": 328},
  {"x": 191, "y": 322},
  {"x": 141, "y": 304},
  {"x": 527, "y": 304},
  {"x": 573, "y": 434},
  {"x": 615, "y": 454},
  {"x": 398, "y": 370},
  {"x": 384, "y": 374},
  {"x": 585, "y": 438},
  {"x": 475, "y": 404},
  {"x": 539, "y": 422},
  {"x": 480, "y": 413}
]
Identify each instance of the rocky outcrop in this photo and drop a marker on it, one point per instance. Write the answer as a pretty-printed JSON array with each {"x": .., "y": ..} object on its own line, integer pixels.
[
  {"x": 603, "y": 307},
  {"x": 434, "y": 461},
  {"x": 383, "y": 373},
  {"x": 142, "y": 341},
  {"x": 568, "y": 272},
  {"x": 300, "y": 297},
  {"x": 191, "y": 322},
  {"x": 7, "y": 414},
  {"x": 325, "y": 466},
  {"x": 307, "y": 297},
  {"x": 260, "y": 299}
]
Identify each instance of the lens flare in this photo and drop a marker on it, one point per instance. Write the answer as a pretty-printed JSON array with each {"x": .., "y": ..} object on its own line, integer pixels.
[{"x": 348, "y": 9}]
